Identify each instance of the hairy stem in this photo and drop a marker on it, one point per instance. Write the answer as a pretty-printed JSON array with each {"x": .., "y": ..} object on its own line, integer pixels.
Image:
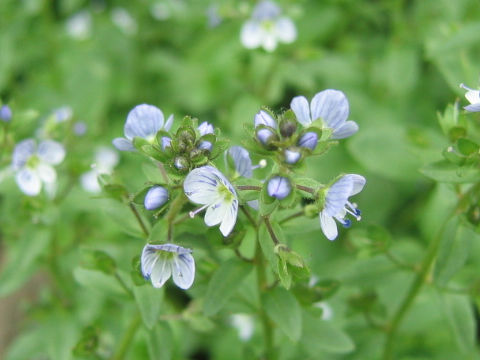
[
  {"x": 249, "y": 216},
  {"x": 249, "y": 187},
  {"x": 138, "y": 217},
  {"x": 270, "y": 230},
  {"x": 306, "y": 189}
]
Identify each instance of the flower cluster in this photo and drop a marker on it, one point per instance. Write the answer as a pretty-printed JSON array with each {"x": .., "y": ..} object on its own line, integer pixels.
[{"x": 185, "y": 157}]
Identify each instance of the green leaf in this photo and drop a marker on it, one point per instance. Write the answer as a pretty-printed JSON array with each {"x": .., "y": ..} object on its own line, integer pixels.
[
  {"x": 97, "y": 280},
  {"x": 22, "y": 259},
  {"x": 449, "y": 118},
  {"x": 268, "y": 247},
  {"x": 149, "y": 301},
  {"x": 444, "y": 171},
  {"x": 461, "y": 319},
  {"x": 284, "y": 310},
  {"x": 160, "y": 342},
  {"x": 224, "y": 282},
  {"x": 320, "y": 335},
  {"x": 467, "y": 147}
]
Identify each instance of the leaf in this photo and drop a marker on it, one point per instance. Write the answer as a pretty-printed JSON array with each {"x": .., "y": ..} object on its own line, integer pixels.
[
  {"x": 149, "y": 301},
  {"x": 160, "y": 342},
  {"x": 459, "y": 313},
  {"x": 97, "y": 280},
  {"x": 22, "y": 257},
  {"x": 444, "y": 171},
  {"x": 320, "y": 335},
  {"x": 284, "y": 310},
  {"x": 224, "y": 282}
]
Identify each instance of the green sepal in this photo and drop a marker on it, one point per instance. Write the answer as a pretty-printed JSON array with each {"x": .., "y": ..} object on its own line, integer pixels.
[
  {"x": 467, "y": 147},
  {"x": 456, "y": 133},
  {"x": 220, "y": 146}
]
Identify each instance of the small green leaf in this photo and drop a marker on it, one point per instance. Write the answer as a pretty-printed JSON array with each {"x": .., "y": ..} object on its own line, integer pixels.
[
  {"x": 444, "y": 171},
  {"x": 160, "y": 342},
  {"x": 284, "y": 310},
  {"x": 223, "y": 284},
  {"x": 467, "y": 147},
  {"x": 149, "y": 301}
]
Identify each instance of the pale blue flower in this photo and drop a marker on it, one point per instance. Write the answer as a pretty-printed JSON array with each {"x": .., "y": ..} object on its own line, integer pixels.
[
  {"x": 205, "y": 128},
  {"x": 34, "y": 165},
  {"x": 473, "y": 96},
  {"x": 105, "y": 161},
  {"x": 337, "y": 206},
  {"x": 265, "y": 135},
  {"x": 142, "y": 121},
  {"x": 5, "y": 113},
  {"x": 329, "y": 105},
  {"x": 155, "y": 197},
  {"x": 79, "y": 26},
  {"x": 63, "y": 114},
  {"x": 267, "y": 28},
  {"x": 292, "y": 155},
  {"x": 124, "y": 20},
  {"x": 209, "y": 187},
  {"x": 80, "y": 128},
  {"x": 166, "y": 142},
  {"x": 308, "y": 140},
  {"x": 264, "y": 118},
  {"x": 279, "y": 187},
  {"x": 244, "y": 324},
  {"x": 159, "y": 262}
]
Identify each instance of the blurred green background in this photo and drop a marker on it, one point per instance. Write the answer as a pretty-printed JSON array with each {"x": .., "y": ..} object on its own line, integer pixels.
[{"x": 398, "y": 62}]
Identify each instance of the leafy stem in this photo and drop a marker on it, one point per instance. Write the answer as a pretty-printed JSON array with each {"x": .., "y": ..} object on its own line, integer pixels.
[
  {"x": 275, "y": 240},
  {"x": 135, "y": 212}
]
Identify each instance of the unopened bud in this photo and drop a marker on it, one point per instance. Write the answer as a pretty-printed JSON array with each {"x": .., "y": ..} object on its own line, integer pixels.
[
  {"x": 288, "y": 127},
  {"x": 180, "y": 163},
  {"x": 264, "y": 118},
  {"x": 279, "y": 187},
  {"x": 292, "y": 155},
  {"x": 265, "y": 136},
  {"x": 166, "y": 142},
  {"x": 205, "y": 128},
  {"x": 156, "y": 197},
  {"x": 308, "y": 140},
  {"x": 205, "y": 145}
]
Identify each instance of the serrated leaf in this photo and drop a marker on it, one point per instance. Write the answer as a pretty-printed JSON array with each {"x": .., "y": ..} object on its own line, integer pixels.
[
  {"x": 223, "y": 284},
  {"x": 283, "y": 309}
]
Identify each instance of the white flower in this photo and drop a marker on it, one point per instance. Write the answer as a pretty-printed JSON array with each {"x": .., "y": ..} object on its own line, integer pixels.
[
  {"x": 473, "y": 96},
  {"x": 142, "y": 121},
  {"x": 33, "y": 165},
  {"x": 79, "y": 25},
  {"x": 122, "y": 18},
  {"x": 266, "y": 28},
  {"x": 105, "y": 161},
  {"x": 327, "y": 311},
  {"x": 209, "y": 187},
  {"x": 329, "y": 105},
  {"x": 244, "y": 325},
  {"x": 337, "y": 205},
  {"x": 159, "y": 262}
]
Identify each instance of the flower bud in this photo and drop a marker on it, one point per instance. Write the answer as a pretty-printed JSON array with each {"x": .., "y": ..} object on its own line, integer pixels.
[
  {"x": 5, "y": 113},
  {"x": 279, "y": 187},
  {"x": 292, "y": 155},
  {"x": 156, "y": 197},
  {"x": 186, "y": 137},
  {"x": 264, "y": 118},
  {"x": 166, "y": 142},
  {"x": 205, "y": 145},
  {"x": 309, "y": 140},
  {"x": 205, "y": 128},
  {"x": 180, "y": 163},
  {"x": 288, "y": 127},
  {"x": 265, "y": 136}
]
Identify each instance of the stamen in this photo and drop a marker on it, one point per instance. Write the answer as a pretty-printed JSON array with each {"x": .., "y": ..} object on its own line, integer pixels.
[
  {"x": 195, "y": 212},
  {"x": 352, "y": 210},
  {"x": 462, "y": 85},
  {"x": 347, "y": 223},
  {"x": 261, "y": 164}
]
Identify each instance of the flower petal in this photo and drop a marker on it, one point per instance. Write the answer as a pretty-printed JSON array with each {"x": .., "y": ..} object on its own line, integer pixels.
[
  {"x": 143, "y": 121},
  {"x": 29, "y": 182},
  {"x": 46, "y": 173},
  {"x": 216, "y": 213},
  {"x": 285, "y": 30},
  {"x": 169, "y": 123},
  {"x": 183, "y": 271},
  {"x": 201, "y": 185},
  {"x": 269, "y": 40},
  {"x": 264, "y": 118},
  {"x": 51, "y": 152},
  {"x": 123, "y": 144},
  {"x": 337, "y": 195},
  {"x": 251, "y": 35},
  {"x": 358, "y": 182},
  {"x": 105, "y": 159},
  {"x": 345, "y": 130},
  {"x": 299, "y": 106},
  {"x": 472, "y": 108},
  {"x": 332, "y": 106},
  {"x": 229, "y": 219},
  {"x": 242, "y": 161},
  {"x": 89, "y": 182},
  {"x": 473, "y": 96},
  {"x": 328, "y": 225},
  {"x": 22, "y": 152}
]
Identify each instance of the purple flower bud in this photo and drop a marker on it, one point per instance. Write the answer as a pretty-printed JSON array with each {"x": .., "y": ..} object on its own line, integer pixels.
[
  {"x": 205, "y": 145},
  {"x": 205, "y": 128},
  {"x": 79, "y": 128},
  {"x": 279, "y": 187},
  {"x": 156, "y": 197},
  {"x": 292, "y": 156},
  {"x": 309, "y": 140},
  {"x": 5, "y": 113},
  {"x": 180, "y": 163},
  {"x": 265, "y": 135},
  {"x": 264, "y": 118},
  {"x": 166, "y": 142}
]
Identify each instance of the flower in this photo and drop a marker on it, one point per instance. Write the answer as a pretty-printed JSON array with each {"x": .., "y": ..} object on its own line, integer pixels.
[
  {"x": 79, "y": 26},
  {"x": 244, "y": 324},
  {"x": 337, "y": 206},
  {"x": 34, "y": 165},
  {"x": 105, "y": 160},
  {"x": 292, "y": 155},
  {"x": 266, "y": 28},
  {"x": 264, "y": 118},
  {"x": 204, "y": 129},
  {"x": 80, "y": 128},
  {"x": 124, "y": 20},
  {"x": 159, "y": 262},
  {"x": 209, "y": 187},
  {"x": 5, "y": 113},
  {"x": 279, "y": 187},
  {"x": 155, "y": 197},
  {"x": 143, "y": 121},
  {"x": 308, "y": 140},
  {"x": 242, "y": 161},
  {"x": 473, "y": 96},
  {"x": 63, "y": 114},
  {"x": 329, "y": 105}
]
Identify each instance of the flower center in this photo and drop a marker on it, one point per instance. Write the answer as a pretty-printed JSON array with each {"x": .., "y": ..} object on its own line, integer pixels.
[
  {"x": 225, "y": 192},
  {"x": 33, "y": 161}
]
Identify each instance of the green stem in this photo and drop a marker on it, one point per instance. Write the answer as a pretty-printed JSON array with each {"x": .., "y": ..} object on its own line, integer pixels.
[
  {"x": 123, "y": 285},
  {"x": 270, "y": 230},
  {"x": 293, "y": 216},
  {"x": 262, "y": 287},
  {"x": 306, "y": 189},
  {"x": 249, "y": 187},
  {"x": 417, "y": 284},
  {"x": 398, "y": 262},
  {"x": 127, "y": 338},
  {"x": 138, "y": 217},
  {"x": 249, "y": 216}
]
